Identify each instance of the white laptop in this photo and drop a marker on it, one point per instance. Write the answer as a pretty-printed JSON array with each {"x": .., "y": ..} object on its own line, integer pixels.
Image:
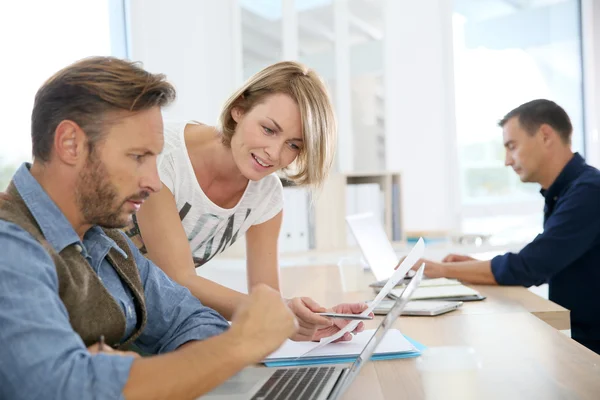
[
  {"x": 322, "y": 382},
  {"x": 382, "y": 259},
  {"x": 374, "y": 244}
]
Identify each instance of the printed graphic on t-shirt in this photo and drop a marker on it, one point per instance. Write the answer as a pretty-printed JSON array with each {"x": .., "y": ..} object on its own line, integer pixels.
[
  {"x": 209, "y": 228},
  {"x": 217, "y": 233}
]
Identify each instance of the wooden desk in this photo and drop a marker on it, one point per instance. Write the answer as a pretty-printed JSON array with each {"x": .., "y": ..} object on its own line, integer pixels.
[
  {"x": 323, "y": 284},
  {"x": 523, "y": 357},
  {"x": 517, "y": 298}
]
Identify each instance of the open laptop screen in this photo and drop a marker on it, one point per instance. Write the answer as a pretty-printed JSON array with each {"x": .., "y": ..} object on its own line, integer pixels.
[
  {"x": 374, "y": 244},
  {"x": 382, "y": 329}
]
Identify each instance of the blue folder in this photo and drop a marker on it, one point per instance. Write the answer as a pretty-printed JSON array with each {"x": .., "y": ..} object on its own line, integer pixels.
[{"x": 345, "y": 360}]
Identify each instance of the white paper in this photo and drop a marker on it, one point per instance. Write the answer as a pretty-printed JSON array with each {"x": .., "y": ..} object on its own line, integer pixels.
[
  {"x": 411, "y": 259},
  {"x": 438, "y": 282},
  {"x": 392, "y": 342}
]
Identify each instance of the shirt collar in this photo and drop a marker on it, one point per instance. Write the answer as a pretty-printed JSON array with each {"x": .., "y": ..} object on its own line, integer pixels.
[
  {"x": 96, "y": 235},
  {"x": 569, "y": 173},
  {"x": 56, "y": 228}
]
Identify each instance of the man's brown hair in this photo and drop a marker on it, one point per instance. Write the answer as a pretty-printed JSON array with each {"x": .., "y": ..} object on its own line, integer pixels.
[
  {"x": 533, "y": 114},
  {"x": 84, "y": 92}
]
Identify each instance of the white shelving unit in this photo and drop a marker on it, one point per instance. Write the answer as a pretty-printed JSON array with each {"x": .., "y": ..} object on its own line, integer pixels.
[
  {"x": 330, "y": 209},
  {"x": 326, "y": 213}
]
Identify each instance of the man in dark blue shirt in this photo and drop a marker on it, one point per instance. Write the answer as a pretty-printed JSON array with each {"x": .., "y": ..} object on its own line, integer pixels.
[{"x": 537, "y": 138}]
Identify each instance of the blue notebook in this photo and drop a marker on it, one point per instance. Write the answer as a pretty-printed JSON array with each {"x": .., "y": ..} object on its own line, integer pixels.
[{"x": 397, "y": 347}]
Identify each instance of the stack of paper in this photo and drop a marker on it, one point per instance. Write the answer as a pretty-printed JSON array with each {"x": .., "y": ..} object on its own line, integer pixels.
[
  {"x": 411, "y": 259},
  {"x": 425, "y": 282},
  {"x": 393, "y": 345},
  {"x": 438, "y": 282}
]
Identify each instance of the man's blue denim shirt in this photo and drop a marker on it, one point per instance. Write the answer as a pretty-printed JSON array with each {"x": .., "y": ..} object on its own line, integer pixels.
[{"x": 41, "y": 357}]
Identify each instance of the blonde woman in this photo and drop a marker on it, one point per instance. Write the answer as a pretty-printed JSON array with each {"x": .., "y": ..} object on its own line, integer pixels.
[{"x": 219, "y": 185}]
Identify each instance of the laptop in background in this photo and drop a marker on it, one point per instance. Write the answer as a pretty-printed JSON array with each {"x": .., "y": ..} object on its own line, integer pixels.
[
  {"x": 377, "y": 250},
  {"x": 324, "y": 382},
  {"x": 374, "y": 244}
]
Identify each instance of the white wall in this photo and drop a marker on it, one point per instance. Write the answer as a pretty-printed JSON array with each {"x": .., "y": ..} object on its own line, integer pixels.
[
  {"x": 196, "y": 44},
  {"x": 419, "y": 100}
]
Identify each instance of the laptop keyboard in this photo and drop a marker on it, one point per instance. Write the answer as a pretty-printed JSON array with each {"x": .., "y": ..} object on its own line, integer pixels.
[{"x": 295, "y": 383}]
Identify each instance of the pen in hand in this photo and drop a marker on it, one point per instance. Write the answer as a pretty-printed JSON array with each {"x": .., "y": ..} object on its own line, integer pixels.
[
  {"x": 346, "y": 316},
  {"x": 105, "y": 349}
]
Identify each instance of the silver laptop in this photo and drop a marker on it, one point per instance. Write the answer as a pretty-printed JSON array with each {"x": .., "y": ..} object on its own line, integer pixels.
[
  {"x": 327, "y": 381},
  {"x": 374, "y": 244}
]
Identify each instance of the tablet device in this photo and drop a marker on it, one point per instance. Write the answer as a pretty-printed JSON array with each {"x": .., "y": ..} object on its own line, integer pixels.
[{"x": 474, "y": 297}]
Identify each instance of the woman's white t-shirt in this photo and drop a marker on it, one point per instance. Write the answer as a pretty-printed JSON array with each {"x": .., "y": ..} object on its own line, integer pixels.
[{"x": 210, "y": 229}]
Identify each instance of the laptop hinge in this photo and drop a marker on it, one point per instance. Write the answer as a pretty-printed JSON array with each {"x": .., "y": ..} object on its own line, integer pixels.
[{"x": 337, "y": 386}]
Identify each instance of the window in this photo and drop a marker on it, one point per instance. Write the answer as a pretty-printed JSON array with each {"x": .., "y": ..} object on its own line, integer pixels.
[
  {"x": 36, "y": 44},
  {"x": 507, "y": 53},
  {"x": 261, "y": 34}
]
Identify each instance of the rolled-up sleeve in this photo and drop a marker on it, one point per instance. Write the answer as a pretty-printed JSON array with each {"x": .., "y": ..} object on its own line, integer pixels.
[
  {"x": 41, "y": 357},
  {"x": 569, "y": 233},
  {"x": 175, "y": 316}
]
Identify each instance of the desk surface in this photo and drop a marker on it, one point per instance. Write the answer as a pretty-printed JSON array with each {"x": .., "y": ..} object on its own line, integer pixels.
[
  {"x": 324, "y": 285},
  {"x": 523, "y": 357}
]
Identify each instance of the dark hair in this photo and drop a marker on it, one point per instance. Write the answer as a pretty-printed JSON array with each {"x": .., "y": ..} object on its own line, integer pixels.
[
  {"x": 537, "y": 112},
  {"x": 85, "y": 91}
]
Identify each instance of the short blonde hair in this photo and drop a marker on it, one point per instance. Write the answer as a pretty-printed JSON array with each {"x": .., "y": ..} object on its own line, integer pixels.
[{"x": 319, "y": 131}]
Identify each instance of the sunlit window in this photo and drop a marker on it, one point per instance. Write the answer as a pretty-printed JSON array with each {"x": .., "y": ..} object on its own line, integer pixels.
[
  {"x": 508, "y": 53},
  {"x": 38, "y": 39}
]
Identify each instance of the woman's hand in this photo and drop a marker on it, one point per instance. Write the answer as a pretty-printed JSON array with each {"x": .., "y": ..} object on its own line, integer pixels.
[
  {"x": 315, "y": 327},
  {"x": 339, "y": 324}
]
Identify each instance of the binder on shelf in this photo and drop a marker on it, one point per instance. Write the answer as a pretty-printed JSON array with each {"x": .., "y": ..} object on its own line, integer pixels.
[
  {"x": 294, "y": 234},
  {"x": 396, "y": 215}
]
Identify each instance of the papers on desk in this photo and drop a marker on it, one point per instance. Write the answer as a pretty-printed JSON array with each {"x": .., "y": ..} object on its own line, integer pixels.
[
  {"x": 411, "y": 259},
  {"x": 393, "y": 345},
  {"x": 439, "y": 282},
  {"x": 437, "y": 289},
  {"x": 425, "y": 282}
]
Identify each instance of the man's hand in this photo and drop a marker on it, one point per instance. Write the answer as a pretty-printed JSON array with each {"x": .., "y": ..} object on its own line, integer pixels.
[
  {"x": 338, "y": 324},
  {"x": 305, "y": 310},
  {"x": 95, "y": 349},
  {"x": 263, "y": 322},
  {"x": 432, "y": 269},
  {"x": 457, "y": 258}
]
